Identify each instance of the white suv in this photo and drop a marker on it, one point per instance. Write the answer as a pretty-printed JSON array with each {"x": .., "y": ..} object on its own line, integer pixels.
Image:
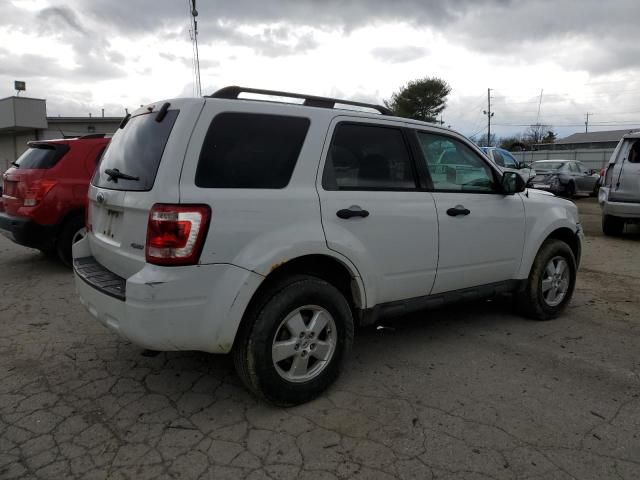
[{"x": 270, "y": 229}]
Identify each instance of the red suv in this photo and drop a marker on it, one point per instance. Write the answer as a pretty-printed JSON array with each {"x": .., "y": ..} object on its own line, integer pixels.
[{"x": 45, "y": 193}]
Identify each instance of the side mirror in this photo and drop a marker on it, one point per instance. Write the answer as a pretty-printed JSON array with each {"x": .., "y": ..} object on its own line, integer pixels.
[{"x": 512, "y": 183}]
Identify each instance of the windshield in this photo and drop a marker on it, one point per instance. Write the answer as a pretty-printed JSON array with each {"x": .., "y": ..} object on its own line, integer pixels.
[
  {"x": 548, "y": 165},
  {"x": 41, "y": 156},
  {"x": 135, "y": 151}
]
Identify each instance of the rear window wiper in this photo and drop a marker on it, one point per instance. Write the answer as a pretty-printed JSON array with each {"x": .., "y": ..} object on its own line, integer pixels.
[{"x": 115, "y": 174}]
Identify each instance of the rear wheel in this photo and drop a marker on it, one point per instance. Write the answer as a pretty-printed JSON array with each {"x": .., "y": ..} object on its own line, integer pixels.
[
  {"x": 293, "y": 343},
  {"x": 612, "y": 226},
  {"x": 71, "y": 232},
  {"x": 551, "y": 281}
]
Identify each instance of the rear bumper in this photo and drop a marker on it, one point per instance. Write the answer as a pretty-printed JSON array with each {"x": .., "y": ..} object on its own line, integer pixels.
[
  {"x": 26, "y": 232},
  {"x": 617, "y": 209},
  {"x": 621, "y": 209},
  {"x": 172, "y": 308}
]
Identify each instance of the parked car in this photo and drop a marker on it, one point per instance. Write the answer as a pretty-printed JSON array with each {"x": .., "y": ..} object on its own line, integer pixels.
[
  {"x": 504, "y": 159},
  {"x": 45, "y": 193},
  {"x": 269, "y": 229},
  {"x": 619, "y": 194},
  {"x": 565, "y": 177}
]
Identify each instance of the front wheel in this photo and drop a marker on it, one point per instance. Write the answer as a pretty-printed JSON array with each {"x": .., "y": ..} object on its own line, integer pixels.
[
  {"x": 294, "y": 340},
  {"x": 551, "y": 281}
]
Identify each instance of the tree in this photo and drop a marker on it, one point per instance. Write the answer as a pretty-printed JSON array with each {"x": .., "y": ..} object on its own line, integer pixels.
[
  {"x": 511, "y": 143},
  {"x": 539, "y": 133},
  {"x": 423, "y": 99},
  {"x": 485, "y": 142}
]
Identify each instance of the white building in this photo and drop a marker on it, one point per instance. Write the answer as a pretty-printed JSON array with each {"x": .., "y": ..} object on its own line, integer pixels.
[{"x": 25, "y": 119}]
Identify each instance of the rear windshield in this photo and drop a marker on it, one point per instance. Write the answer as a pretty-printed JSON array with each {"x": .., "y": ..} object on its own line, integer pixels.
[
  {"x": 135, "y": 151},
  {"x": 41, "y": 156},
  {"x": 548, "y": 165}
]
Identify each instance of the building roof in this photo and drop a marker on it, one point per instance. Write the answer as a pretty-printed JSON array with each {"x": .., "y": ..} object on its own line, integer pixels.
[
  {"x": 84, "y": 119},
  {"x": 595, "y": 137}
]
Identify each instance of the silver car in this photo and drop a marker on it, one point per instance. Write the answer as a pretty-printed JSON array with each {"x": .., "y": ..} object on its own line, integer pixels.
[
  {"x": 565, "y": 177},
  {"x": 619, "y": 194}
]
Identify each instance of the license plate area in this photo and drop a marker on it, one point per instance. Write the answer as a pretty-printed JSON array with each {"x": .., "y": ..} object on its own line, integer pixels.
[
  {"x": 540, "y": 185},
  {"x": 108, "y": 225}
]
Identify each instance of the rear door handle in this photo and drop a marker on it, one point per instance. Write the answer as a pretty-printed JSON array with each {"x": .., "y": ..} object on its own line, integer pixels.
[
  {"x": 458, "y": 210},
  {"x": 352, "y": 211}
]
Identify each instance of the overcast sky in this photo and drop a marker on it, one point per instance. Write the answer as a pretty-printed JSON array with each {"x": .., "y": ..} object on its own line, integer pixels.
[{"x": 584, "y": 55}]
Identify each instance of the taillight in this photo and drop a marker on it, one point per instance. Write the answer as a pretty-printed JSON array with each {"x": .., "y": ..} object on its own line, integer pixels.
[
  {"x": 176, "y": 233},
  {"x": 36, "y": 192}
]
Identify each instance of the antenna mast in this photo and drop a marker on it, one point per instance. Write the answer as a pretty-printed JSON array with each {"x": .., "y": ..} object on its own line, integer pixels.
[{"x": 194, "y": 39}]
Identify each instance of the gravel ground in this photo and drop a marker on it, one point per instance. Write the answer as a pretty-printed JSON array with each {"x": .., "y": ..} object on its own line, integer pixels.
[{"x": 468, "y": 392}]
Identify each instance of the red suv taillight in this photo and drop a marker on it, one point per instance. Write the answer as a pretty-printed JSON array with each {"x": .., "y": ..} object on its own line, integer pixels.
[
  {"x": 176, "y": 233},
  {"x": 36, "y": 192}
]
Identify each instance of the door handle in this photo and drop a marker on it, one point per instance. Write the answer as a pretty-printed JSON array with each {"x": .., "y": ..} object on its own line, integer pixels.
[
  {"x": 352, "y": 211},
  {"x": 458, "y": 210}
]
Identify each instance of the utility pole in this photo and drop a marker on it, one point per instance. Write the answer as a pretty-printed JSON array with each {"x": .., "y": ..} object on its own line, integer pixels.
[
  {"x": 586, "y": 123},
  {"x": 489, "y": 114}
]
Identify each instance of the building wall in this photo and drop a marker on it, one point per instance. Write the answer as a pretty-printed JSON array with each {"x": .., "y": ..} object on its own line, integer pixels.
[
  {"x": 13, "y": 145},
  {"x": 62, "y": 129}
]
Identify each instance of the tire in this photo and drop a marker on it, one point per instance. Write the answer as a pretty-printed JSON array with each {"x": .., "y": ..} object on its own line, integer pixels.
[
  {"x": 536, "y": 300},
  {"x": 68, "y": 235},
  {"x": 612, "y": 226},
  {"x": 571, "y": 190},
  {"x": 265, "y": 325}
]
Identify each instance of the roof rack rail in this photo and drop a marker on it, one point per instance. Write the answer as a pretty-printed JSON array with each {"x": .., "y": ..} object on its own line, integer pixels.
[
  {"x": 93, "y": 135},
  {"x": 233, "y": 92}
]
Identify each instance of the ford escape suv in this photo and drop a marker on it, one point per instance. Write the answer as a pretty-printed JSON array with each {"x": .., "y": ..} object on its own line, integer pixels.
[
  {"x": 269, "y": 229},
  {"x": 45, "y": 193}
]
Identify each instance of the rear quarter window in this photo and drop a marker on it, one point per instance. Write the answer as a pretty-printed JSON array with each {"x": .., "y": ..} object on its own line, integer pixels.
[{"x": 244, "y": 150}]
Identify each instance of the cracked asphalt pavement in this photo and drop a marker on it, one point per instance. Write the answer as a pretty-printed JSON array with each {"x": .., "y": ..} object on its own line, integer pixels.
[{"x": 471, "y": 392}]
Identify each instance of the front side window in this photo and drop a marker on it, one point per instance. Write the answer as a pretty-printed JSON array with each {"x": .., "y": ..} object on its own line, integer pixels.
[
  {"x": 368, "y": 157},
  {"x": 247, "y": 150},
  {"x": 453, "y": 166}
]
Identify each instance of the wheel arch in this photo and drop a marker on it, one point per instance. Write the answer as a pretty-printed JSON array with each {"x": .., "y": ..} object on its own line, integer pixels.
[
  {"x": 323, "y": 266},
  {"x": 563, "y": 233},
  {"x": 328, "y": 268}
]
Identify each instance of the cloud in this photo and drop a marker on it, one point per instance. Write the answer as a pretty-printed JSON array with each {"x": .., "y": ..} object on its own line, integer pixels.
[
  {"x": 269, "y": 41},
  {"x": 398, "y": 54}
]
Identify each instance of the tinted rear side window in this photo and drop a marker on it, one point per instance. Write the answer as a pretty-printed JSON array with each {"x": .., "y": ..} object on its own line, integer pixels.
[
  {"x": 41, "y": 156},
  {"x": 243, "y": 150},
  {"x": 136, "y": 150}
]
